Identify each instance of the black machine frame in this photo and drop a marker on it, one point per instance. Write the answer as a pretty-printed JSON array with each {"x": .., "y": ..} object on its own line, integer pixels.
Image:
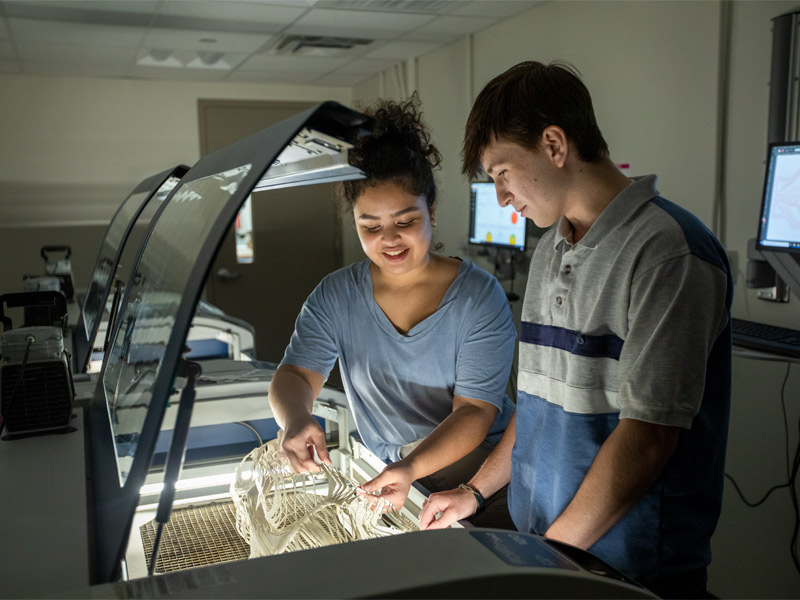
[
  {"x": 112, "y": 503},
  {"x": 83, "y": 336}
]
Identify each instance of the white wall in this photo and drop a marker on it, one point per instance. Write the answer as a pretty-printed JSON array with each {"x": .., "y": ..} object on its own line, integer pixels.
[
  {"x": 71, "y": 149},
  {"x": 654, "y": 71},
  {"x": 65, "y": 138}
]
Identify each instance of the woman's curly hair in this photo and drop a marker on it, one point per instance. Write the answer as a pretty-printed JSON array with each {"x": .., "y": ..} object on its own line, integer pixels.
[{"x": 398, "y": 150}]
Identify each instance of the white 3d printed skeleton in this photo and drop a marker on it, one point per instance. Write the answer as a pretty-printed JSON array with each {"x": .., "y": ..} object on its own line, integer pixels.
[{"x": 278, "y": 510}]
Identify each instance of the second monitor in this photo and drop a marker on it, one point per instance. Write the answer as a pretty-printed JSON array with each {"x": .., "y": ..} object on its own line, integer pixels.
[{"x": 491, "y": 224}]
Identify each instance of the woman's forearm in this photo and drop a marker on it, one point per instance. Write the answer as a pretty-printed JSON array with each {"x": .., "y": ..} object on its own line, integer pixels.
[{"x": 455, "y": 437}]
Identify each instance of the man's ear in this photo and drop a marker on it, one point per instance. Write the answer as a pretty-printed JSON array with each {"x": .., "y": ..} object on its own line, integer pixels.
[{"x": 555, "y": 144}]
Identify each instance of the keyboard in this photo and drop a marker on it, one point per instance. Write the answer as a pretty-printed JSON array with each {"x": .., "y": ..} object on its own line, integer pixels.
[{"x": 766, "y": 338}]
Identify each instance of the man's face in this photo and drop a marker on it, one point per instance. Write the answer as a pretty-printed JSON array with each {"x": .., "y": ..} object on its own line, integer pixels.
[{"x": 525, "y": 179}]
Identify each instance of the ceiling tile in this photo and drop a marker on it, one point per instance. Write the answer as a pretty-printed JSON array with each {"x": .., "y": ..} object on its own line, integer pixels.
[
  {"x": 341, "y": 79},
  {"x": 364, "y": 24},
  {"x": 499, "y": 9},
  {"x": 47, "y": 31},
  {"x": 43, "y": 8},
  {"x": 176, "y": 39},
  {"x": 447, "y": 28},
  {"x": 229, "y": 10},
  {"x": 104, "y": 38},
  {"x": 403, "y": 50},
  {"x": 428, "y": 7},
  {"x": 76, "y": 53},
  {"x": 123, "y": 13},
  {"x": 291, "y": 77},
  {"x": 299, "y": 3},
  {"x": 366, "y": 66},
  {"x": 290, "y": 64}
]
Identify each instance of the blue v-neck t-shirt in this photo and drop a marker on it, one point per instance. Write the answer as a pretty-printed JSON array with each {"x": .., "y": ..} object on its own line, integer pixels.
[{"x": 401, "y": 386}]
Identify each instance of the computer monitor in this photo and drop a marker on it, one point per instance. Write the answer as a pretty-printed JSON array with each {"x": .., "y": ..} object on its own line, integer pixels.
[
  {"x": 491, "y": 224},
  {"x": 779, "y": 226}
]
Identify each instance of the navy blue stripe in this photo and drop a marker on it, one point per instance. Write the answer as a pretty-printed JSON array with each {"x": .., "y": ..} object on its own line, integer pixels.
[
  {"x": 599, "y": 346},
  {"x": 700, "y": 239}
]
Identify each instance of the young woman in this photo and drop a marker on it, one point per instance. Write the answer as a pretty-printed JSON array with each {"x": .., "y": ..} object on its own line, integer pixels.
[{"x": 424, "y": 342}]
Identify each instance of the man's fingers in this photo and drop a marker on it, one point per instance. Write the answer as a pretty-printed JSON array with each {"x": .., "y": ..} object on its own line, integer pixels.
[
  {"x": 376, "y": 484},
  {"x": 442, "y": 522},
  {"x": 431, "y": 508}
]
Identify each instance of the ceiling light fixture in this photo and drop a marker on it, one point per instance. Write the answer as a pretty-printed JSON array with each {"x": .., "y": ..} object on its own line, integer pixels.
[
  {"x": 159, "y": 57},
  {"x": 209, "y": 60}
]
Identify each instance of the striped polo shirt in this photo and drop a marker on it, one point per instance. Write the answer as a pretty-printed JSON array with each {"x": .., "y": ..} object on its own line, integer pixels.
[{"x": 630, "y": 322}]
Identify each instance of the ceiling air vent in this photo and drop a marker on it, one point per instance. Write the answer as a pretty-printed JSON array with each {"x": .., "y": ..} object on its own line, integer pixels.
[{"x": 311, "y": 45}]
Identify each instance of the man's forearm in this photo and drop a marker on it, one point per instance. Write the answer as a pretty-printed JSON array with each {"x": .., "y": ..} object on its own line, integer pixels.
[
  {"x": 628, "y": 463},
  {"x": 444, "y": 508},
  {"x": 496, "y": 469}
]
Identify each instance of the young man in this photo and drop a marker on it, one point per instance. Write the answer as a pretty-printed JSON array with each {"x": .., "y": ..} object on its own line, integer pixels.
[{"x": 619, "y": 438}]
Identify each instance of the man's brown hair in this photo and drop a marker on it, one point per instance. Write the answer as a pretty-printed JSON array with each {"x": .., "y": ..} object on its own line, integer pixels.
[{"x": 520, "y": 103}]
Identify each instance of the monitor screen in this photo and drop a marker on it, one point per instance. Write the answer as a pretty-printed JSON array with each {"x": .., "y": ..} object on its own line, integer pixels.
[
  {"x": 779, "y": 227},
  {"x": 491, "y": 224}
]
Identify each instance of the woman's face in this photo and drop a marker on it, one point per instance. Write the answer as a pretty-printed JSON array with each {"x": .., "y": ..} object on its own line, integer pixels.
[{"x": 394, "y": 227}]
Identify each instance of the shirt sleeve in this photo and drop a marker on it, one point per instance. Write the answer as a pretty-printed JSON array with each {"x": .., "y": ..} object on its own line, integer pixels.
[
  {"x": 313, "y": 342},
  {"x": 486, "y": 355},
  {"x": 677, "y": 310}
]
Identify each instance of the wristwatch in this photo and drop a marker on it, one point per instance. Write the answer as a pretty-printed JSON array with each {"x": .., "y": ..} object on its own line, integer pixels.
[{"x": 478, "y": 496}]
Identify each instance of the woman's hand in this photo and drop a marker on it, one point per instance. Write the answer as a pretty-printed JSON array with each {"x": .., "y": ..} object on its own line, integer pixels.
[
  {"x": 393, "y": 484},
  {"x": 303, "y": 434}
]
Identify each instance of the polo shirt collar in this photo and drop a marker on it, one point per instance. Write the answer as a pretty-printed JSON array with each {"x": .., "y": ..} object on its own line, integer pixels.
[{"x": 641, "y": 190}]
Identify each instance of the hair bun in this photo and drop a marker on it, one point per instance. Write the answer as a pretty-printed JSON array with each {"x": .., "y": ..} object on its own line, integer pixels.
[{"x": 398, "y": 149}]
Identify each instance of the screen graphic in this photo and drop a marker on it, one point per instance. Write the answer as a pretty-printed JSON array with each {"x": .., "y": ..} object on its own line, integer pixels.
[
  {"x": 492, "y": 224},
  {"x": 780, "y": 216}
]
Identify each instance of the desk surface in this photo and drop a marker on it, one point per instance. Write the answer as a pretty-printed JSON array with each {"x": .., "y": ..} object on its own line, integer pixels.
[
  {"x": 44, "y": 547},
  {"x": 742, "y": 352}
]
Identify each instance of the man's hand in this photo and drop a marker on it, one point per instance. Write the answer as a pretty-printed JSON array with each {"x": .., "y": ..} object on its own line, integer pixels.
[
  {"x": 393, "y": 484},
  {"x": 302, "y": 435},
  {"x": 454, "y": 505}
]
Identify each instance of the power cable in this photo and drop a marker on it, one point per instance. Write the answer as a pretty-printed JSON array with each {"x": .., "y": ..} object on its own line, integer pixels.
[{"x": 791, "y": 476}]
